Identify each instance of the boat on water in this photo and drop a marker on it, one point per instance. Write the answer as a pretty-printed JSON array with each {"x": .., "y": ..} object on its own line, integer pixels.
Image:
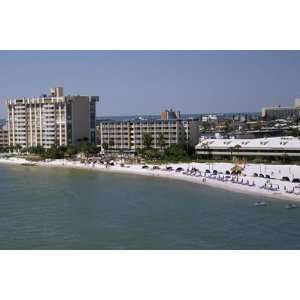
[
  {"x": 291, "y": 206},
  {"x": 260, "y": 203}
]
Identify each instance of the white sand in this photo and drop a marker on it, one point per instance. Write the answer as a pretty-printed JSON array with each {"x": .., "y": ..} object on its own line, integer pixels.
[{"x": 275, "y": 171}]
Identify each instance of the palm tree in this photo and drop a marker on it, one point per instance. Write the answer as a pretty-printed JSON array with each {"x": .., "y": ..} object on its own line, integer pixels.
[
  {"x": 284, "y": 156},
  {"x": 105, "y": 146},
  {"x": 39, "y": 150},
  {"x": 18, "y": 147},
  {"x": 231, "y": 150},
  {"x": 161, "y": 141},
  {"x": 147, "y": 140},
  {"x": 71, "y": 151},
  {"x": 237, "y": 147},
  {"x": 111, "y": 143},
  {"x": 226, "y": 126},
  {"x": 207, "y": 150},
  {"x": 84, "y": 149},
  {"x": 11, "y": 148}
]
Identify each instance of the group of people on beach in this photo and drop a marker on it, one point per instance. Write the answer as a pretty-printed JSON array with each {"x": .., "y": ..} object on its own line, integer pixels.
[
  {"x": 204, "y": 175},
  {"x": 232, "y": 178}
]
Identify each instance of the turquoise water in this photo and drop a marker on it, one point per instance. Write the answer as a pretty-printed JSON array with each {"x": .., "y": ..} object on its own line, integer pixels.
[{"x": 49, "y": 208}]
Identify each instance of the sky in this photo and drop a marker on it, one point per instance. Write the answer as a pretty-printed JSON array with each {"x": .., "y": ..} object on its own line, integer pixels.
[{"x": 147, "y": 82}]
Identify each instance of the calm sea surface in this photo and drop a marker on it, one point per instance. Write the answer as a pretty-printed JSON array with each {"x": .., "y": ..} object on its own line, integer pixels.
[{"x": 43, "y": 208}]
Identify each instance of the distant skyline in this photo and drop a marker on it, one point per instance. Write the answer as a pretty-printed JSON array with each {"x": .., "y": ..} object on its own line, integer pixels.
[{"x": 147, "y": 82}]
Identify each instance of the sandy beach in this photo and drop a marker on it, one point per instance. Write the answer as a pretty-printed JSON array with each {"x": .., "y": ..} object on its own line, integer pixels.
[{"x": 272, "y": 187}]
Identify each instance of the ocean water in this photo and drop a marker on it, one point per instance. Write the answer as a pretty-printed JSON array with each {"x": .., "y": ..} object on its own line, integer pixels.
[{"x": 53, "y": 208}]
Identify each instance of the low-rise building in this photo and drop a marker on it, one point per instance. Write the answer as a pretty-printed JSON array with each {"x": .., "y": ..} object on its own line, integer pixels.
[
  {"x": 209, "y": 118},
  {"x": 281, "y": 112},
  {"x": 128, "y": 135},
  {"x": 273, "y": 148}
]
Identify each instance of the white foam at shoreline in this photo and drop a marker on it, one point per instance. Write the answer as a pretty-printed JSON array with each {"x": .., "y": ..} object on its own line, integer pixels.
[{"x": 275, "y": 171}]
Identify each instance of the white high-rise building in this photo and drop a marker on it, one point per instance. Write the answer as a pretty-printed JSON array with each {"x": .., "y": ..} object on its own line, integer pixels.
[{"x": 51, "y": 120}]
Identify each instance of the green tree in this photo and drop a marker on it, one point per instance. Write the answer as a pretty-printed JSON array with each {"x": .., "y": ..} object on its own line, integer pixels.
[
  {"x": 24, "y": 150},
  {"x": 176, "y": 152},
  {"x": 231, "y": 150},
  {"x": 208, "y": 151},
  {"x": 39, "y": 150},
  {"x": 71, "y": 151},
  {"x": 111, "y": 143},
  {"x": 18, "y": 147},
  {"x": 11, "y": 148},
  {"x": 63, "y": 148},
  {"x": 54, "y": 153},
  {"x": 237, "y": 148},
  {"x": 161, "y": 141},
  {"x": 205, "y": 127},
  {"x": 93, "y": 149},
  {"x": 105, "y": 146},
  {"x": 147, "y": 140},
  {"x": 227, "y": 126},
  {"x": 84, "y": 149},
  {"x": 88, "y": 149}
]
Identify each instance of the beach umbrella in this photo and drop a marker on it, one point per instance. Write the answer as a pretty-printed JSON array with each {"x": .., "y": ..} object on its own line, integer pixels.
[{"x": 236, "y": 169}]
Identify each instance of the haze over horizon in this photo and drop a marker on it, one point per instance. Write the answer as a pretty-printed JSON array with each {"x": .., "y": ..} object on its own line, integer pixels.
[{"x": 146, "y": 82}]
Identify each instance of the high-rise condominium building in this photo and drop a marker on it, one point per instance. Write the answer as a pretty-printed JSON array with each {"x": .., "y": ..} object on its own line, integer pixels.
[{"x": 52, "y": 119}]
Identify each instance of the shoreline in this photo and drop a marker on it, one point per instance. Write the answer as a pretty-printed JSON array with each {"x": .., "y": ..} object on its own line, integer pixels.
[{"x": 136, "y": 169}]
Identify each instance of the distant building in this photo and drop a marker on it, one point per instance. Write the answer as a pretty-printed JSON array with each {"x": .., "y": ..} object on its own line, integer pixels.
[
  {"x": 272, "y": 148},
  {"x": 279, "y": 112},
  {"x": 51, "y": 120},
  {"x": 170, "y": 115},
  {"x": 261, "y": 133},
  {"x": 209, "y": 118},
  {"x": 128, "y": 135},
  {"x": 297, "y": 102}
]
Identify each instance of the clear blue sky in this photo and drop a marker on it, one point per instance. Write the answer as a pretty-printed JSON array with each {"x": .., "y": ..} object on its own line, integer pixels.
[{"x": 146, "y": 82}]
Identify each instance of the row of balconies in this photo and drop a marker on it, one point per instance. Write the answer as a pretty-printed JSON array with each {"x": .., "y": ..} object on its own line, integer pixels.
[
  {"x": 138, "y": 132},
  {"x": 105, "y": 140},
  {"x": 33, "y": 119},
  {"x": 33, "y": 112},
  {"x": 142, "y": 123},
  {"x": 138, "y": 127},
  {"x": 139, "y": 135}
]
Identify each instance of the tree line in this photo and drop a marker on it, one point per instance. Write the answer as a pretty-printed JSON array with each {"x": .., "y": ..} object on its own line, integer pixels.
[
  {"x": 175, "y": 152},
  {"x": 55, "y": 152}
]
